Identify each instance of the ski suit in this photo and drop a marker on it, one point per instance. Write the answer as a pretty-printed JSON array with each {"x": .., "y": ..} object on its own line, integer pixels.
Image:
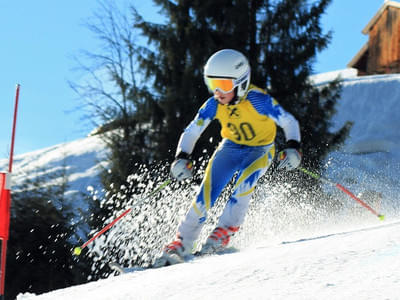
[{"x": 248, "y": 129}]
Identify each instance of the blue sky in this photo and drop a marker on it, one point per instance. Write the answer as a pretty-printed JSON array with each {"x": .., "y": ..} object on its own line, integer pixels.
[{"x": 40, "y": 38}]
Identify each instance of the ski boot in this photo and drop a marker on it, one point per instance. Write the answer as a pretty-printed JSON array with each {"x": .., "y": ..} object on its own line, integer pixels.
[
  {"x": 173, "y": 253},
  {"x": 218, "y": 239}
]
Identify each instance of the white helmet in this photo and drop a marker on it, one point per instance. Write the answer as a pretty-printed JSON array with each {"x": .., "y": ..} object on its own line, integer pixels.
[{"x": 231, "y": 66}]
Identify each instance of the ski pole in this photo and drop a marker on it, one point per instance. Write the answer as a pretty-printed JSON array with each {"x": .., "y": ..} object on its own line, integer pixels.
[
  {"x": 343, "y": 189},
  {"x": 78, "y": 250}
]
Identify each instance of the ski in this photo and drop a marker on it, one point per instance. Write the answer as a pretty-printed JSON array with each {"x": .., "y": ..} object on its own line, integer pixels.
[
  {"x": 219, "y": 252},
  {"x": 119, "y": 269},
  {"x": 122, "y": 270}
]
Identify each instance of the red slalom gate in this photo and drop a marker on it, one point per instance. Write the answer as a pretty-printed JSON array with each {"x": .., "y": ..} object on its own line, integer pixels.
[{"x": 5, "y": 202}]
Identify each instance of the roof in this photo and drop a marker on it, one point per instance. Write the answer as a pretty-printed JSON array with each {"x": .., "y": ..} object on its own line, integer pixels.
[
  {"x": 358, "y": 56},
  {"x": 372, "y": 22}
]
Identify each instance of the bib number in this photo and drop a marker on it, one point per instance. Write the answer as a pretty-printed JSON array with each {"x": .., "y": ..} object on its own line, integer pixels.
[{"x": 244, "y": 132}]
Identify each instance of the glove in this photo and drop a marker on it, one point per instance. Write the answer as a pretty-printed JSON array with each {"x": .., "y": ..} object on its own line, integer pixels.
[
  {"x": 290, "y": 158},
  {"x": 182, "y": 167}
]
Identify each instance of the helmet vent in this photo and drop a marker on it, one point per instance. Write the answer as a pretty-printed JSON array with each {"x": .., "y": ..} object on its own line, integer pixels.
[
  {"x": 243, "y": 85},
  {"x": 239, "y": 65}
]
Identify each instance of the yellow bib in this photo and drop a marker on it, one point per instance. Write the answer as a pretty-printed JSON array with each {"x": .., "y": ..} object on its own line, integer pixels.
[{"x": 242, "y": 124}]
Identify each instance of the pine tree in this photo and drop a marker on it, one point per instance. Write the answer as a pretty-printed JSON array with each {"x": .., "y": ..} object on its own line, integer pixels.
[
  {"x": 41, "y": 237},
  {"x": 173, "y": 63},
  {"x": 290, "y": 37},
  {"x": 281, "y": 39}
]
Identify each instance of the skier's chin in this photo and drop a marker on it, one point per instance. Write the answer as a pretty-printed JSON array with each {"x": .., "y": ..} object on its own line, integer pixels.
[{"x": 224, "y": 100}]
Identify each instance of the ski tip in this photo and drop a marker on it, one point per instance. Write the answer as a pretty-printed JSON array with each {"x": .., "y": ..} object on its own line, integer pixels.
[
  {"x": 164, "y": 261},
  {"x": 116, "y": 267}
]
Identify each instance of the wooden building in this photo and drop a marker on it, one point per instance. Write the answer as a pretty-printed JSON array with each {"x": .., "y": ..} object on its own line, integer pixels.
[{"x": 381, "y": 54}]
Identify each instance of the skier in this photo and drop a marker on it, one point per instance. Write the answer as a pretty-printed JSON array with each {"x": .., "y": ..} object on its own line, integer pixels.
[{"x": 248, "y": 117}]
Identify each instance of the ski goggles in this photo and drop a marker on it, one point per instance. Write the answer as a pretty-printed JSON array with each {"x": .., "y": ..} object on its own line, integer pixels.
[{"x": 224, "y": 85}]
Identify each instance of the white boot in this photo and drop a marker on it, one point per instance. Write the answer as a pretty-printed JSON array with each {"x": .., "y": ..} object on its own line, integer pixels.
[
  {"x": 173, "y": 253},
  {"x": 218, "y": 239}
]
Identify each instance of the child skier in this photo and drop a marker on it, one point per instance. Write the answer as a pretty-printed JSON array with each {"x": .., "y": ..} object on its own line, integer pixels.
[{"x": 248, "y": 117}]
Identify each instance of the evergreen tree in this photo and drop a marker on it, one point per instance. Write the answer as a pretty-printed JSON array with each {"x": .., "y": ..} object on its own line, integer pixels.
[
  {"x": 39, "y": 254},
  {"x": 173, "y": 64},
  {"x": 290, "y": 37},
  {"x": 281, "y": 39}
]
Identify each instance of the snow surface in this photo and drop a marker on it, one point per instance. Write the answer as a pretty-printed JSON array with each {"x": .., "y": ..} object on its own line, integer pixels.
[
  {"x": 356, "y": 264},
  {"x": 370, "y": 158},
  {"x": 346, "y": 255},
  {"x": 82, "y": 158}
]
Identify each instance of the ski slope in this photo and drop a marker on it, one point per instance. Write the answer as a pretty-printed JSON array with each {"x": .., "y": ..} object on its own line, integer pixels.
[
  {"x": 351, "y": 255},
  {"x": 354, "y": 264},
  {"x": 83, "y": 160}
]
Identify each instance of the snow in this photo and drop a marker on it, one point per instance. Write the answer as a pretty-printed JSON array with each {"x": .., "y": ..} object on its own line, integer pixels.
[
  {"x": 329, "y": 76},
  {"x": 370, "y": 158},
  {"x": 356, "y": 264},
  {"x": 82, "y": 158},
  {"x": 346, "y": 255},
  {"x": 373, "y": 104}
]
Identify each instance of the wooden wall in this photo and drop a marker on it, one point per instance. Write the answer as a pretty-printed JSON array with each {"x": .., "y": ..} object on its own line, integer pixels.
[{"x": 384, "y": 43}]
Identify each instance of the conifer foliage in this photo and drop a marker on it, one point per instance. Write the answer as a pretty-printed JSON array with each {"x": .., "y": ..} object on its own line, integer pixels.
[
  {"x": 41, "y": 237},
  {"x": 146, "y": 93},
  {"x": 281, "y": 39}
]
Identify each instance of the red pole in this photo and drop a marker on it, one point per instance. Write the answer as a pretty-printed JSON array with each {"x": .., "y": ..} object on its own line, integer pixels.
[
  {"x": 341, "y": 187},
  {"x": 5, "y": 198},
  {"x": 106, "y": 228},
  {"x": 4, "y": 226},
  {"x": 3, "y": 266},
  {"x": 13, "y": 129},
  {"x": 77, "y": 250}
]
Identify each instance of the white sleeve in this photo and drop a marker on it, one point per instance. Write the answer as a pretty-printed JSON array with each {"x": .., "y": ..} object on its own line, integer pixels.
[
  {"x": 191, "y": 134},
  {"x": 290, "y": 126},
  {"x": 193, "y": 131}
]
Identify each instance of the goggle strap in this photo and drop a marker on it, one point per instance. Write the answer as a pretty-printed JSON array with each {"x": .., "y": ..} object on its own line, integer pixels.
[{"x": 221, "y": 77}]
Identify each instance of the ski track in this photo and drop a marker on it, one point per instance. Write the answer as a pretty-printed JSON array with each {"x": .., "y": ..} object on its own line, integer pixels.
[{"x": 355, "y": 264}]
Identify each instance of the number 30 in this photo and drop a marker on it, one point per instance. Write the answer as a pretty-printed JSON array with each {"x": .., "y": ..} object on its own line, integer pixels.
[{"x": 244, "y": 131}]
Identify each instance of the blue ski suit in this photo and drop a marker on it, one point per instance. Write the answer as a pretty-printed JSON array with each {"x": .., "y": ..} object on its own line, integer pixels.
[{"x": 248, "y": 129}]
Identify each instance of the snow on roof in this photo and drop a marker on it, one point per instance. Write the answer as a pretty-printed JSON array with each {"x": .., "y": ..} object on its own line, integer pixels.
[{"x": 326, "y": 77}]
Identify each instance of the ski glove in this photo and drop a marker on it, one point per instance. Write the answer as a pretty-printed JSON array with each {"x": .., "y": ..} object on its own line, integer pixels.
[
  {"x": 290, "y": 158},
  {"x": 182, "y": 167}
]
